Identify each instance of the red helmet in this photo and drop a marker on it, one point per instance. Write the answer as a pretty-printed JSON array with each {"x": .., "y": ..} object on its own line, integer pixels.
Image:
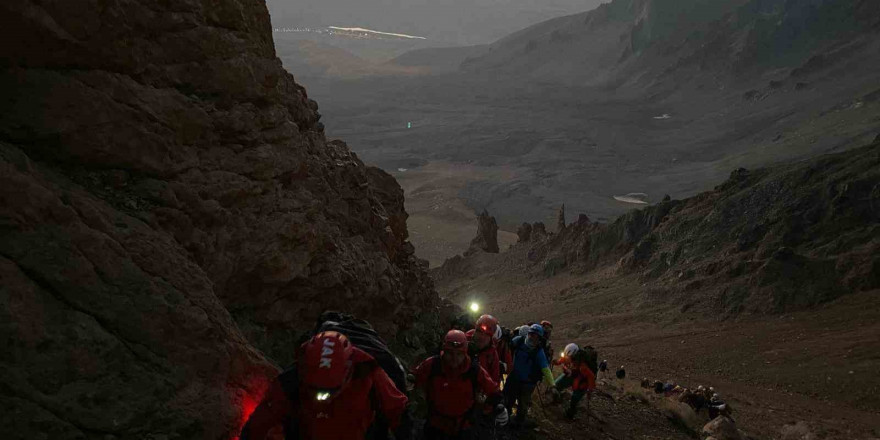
[
  {"x": 326, "y": 362},
  {"x": 455, "y": 340},
  {"x": 486, "y": 324},
  {"x": 546, "y": 324},
  {"x": 470, "y": 334}
]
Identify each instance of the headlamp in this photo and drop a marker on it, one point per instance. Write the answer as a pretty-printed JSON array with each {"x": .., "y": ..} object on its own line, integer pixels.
[
  {"x": 322, "y": 396},
  {"x": 475, "y": 307}
]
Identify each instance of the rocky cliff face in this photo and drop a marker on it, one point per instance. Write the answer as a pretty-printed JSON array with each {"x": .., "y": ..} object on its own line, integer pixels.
[{"x": 169, "y": 202}]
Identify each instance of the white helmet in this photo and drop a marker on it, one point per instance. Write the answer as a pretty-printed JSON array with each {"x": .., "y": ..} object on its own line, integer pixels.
[
  {"x": 570, "y": 350},
  {"x": 497, "y": 334},
  {"x": 524, "y": 331}
]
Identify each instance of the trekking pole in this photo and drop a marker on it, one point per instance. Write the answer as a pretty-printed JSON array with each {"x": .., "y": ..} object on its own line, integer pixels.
[{"x": 589, "y": 400}]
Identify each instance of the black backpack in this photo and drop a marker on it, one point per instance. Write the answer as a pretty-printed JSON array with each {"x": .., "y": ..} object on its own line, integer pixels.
[
  {"x": 588, "y": 356},
  {"x": 363, "y": 336}
]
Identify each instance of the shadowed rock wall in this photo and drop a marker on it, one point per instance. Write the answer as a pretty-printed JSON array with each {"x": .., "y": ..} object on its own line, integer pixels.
[{"x": 168, "y": 202}]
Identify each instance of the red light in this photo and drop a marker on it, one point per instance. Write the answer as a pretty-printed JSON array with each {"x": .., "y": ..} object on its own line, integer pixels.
[{"x": 250, "y": 395}]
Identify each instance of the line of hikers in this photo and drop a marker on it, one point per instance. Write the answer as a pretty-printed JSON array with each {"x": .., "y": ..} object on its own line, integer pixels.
[
  {"x": 346, "y": 383},
  {"x": 699, "y": 398}
]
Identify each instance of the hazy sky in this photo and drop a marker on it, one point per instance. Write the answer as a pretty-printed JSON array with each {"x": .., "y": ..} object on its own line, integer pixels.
[{"x": 453, "y": 21}]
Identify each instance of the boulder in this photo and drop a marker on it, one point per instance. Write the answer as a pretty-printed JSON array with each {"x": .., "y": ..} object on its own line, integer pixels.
[
  {"x": 524, "y": 233},
  {"x": 539, "y": 232},
  {"x": 582, "y": 220},
  {"x": 722, "y": 428}
]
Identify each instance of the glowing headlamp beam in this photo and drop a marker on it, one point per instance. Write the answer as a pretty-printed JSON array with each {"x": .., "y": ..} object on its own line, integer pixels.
[
  {"x": 322, "y": 396},
  {"x": 475, "y": 307}
]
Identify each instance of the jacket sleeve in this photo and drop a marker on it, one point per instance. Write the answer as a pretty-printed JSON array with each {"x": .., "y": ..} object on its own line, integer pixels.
[
  {"x": 548, "y": 376},
  {"x": 391, "y": 400},
  {"x": 587, "y": 378},
  {"x": 422, "y": 372},
  {"x": 507, "y": 357},
  {"x": 494, "y": 369},
  {"x": 269, "y": 414},
  {"x": 487, "y": 385}
]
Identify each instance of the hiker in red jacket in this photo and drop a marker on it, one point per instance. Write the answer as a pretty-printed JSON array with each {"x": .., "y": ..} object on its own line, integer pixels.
[
  {"x": 482, "y": 348},
  {"x": 451, "y": 383},
  {"x": 577, "y": 375},
  {"x": 336, "y": 392}
]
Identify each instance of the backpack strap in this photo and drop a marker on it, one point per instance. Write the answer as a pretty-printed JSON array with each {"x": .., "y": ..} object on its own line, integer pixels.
[
  {"x": 289, "y": 380},
  {"x": 473, "y": 374},
  {"x": 436, "y": 370}
]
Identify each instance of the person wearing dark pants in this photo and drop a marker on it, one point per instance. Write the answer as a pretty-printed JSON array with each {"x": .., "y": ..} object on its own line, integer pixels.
[
  {"x": 519, "y": 394},
  {"x": 577, "y": 374},
  {"x": 530, "y": 365}
]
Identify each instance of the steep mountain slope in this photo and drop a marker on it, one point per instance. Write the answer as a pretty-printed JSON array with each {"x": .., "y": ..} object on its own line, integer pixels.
[
  {"x": 454, "y": 21},
  {"x": 170, "y": 205},
  {"x": 645, "y": 42},
  {"x": 765, "y": 241},
  {"x": 315, "y": 59},
  {"x": 766, "y": 287}
]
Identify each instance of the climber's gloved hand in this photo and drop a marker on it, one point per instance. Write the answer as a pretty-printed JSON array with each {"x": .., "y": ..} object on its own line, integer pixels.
[{"x": 501, "y": 418}]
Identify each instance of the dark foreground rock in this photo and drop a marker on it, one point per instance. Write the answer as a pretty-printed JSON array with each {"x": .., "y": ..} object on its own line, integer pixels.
[{"x": 172, "y": 216}]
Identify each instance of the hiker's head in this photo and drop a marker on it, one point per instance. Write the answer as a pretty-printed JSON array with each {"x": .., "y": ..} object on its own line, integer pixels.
[
  {"x": 327, "y": 364},
  {"x": 548, "y": 328},
  {"x": 523, "y": 331},
  {"x": 570, "y": 350},
  {"x": 485, "y": 330},
  {"x": 482, "y": 340},
  {"x": 455, "y": 347},
  {"x": 536, "y": 332}
]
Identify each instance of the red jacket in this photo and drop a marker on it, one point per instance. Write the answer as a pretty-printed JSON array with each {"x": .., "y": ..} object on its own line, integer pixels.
[
  {"x": 488, "y": 359},
  {"x": 584, "y": 379},
  {"x": 347, "y": 415},
  {"x": 451, "y": 393}
]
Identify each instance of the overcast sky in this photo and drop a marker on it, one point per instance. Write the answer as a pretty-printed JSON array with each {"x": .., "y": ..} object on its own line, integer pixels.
[{"x": 453, "y": 21}]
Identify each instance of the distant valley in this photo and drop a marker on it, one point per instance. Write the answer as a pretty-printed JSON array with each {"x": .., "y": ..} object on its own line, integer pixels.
[{"x": 645, "y": 96}]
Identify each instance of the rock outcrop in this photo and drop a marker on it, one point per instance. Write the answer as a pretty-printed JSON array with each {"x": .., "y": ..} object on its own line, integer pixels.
[
  {"x": 539, "y": 231},
  {"x": 487, "y": 235},
  {"x": 172, "y": 216},
  {"x": 524, "y": 233},
  {"x": 560, "y": 220},
  {"x": 721, "y": 428}
]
